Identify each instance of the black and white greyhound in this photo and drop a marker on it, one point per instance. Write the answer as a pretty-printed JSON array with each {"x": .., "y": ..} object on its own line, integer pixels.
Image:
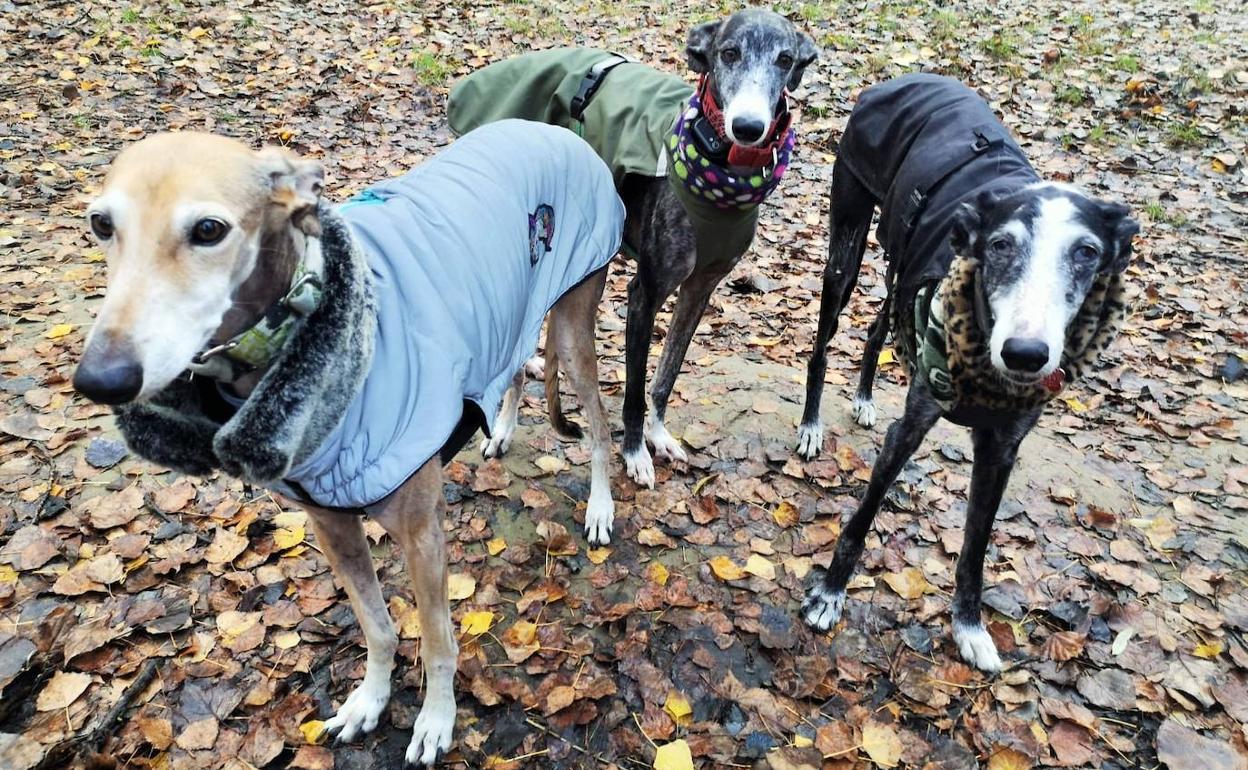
[
  {"x": 746, "y": 63},
  {"x": 1002, "y": 288}
]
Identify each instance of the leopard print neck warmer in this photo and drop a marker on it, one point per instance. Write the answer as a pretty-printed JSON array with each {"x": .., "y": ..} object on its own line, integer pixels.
[{"x": 951, "y": 349}]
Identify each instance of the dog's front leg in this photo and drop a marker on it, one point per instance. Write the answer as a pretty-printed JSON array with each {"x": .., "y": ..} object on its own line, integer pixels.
[
  {"x": 341, "y": 538},
  {"x": 695, "y": 295},
  {"x": 643, "y": 305},
  {"x": 996, "y": 450},
  {"x": 826, "y": 596},
  {"x": 413, "y": 518}
]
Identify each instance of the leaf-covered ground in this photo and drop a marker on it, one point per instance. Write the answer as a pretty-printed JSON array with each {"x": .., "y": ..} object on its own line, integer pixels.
[{"x": 168, "y": 622}]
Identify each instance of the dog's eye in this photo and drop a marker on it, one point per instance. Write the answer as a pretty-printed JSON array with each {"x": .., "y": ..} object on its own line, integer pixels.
[
  {"x": 102, "y": 226},
  {"x": 730, "y": 55},
  {"x": 1000, "y": 247},
  {"x": 1087, "y": 252},
  {"x": 208, "y": 232},
  {"x": 784, "y": 61}
]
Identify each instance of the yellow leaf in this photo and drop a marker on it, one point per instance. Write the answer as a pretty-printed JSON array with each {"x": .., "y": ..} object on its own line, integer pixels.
[
  {"x": 476, "y": 623},
  {"x": 726, "y": 569},
  {"x": 288, "y": 537},
  {"x": 313, "y": 731},
  {"x": 702, "y": 482},
  {"x": 759, "y": 567},
  {"x": 598, "y": 555},
  {"x": 658, "y": 573},
  {"x": 58, "y": 331},
  {"x": 550, "y": 464},
  {"x": 1075, "y": 404},
  {"x": 406, "y": 619},
  {"x": 785, "y": 514},
  {"x": 801, "y": 741},
  {"x": 496, "y": 546},
  {"x": 460, "y": 586},
  {"x": 79, "y": 273},
  {"x": 909, "y": 583},
  {"x": 1009, "y": 759},
  {"x": 881, "y": 743},
  {"x": 1218, "y": 166},
  {"x": 284, "y": 640},
  {"x": 887, "y": 356},
  {"x": 7, "y": 574},
  {"x": 1208, "y": 650},
  {"x": 678, "y": 708},
  {"x": 196, "y": 33},
  {"x": 673, "y": 756}
]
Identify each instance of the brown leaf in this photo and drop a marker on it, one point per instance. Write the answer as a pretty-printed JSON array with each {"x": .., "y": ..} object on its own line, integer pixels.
[
  {"x": 1182, "y": 748},
  {"x": 1073, "y": 746},
  {"x": 61, "y": 690},
  {"x": 1063, "y": 645},
  {"x": 225, "y": 547}
]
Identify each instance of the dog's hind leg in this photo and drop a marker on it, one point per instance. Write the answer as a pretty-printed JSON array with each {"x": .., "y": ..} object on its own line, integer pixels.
[
  {"x": 695, "y": 295},
  {"x": 996, "y": 450},
  {"x": 508, "y": 416},
  {"x": 341, "y": 538},
  {"x": 826, "y": 595},
  {"x": 412, "y": 516},
  {"x": 864, "y": 404},
  {"x": 573, "y": 324},
  {"x": 850, "y": 217}
]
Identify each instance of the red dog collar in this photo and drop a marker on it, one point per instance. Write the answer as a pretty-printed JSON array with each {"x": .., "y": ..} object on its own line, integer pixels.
[{"x": 750, "y": 157}]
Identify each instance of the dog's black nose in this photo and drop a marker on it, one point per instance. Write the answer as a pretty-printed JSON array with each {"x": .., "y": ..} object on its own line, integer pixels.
[
  {"x": 1025, "y": 354},
  {"x": 748, "y": 129},
  {"x": 107, "y": 377}
]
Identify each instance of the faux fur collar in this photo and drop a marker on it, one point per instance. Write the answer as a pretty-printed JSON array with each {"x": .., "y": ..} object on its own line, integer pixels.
[
  {"x": 952, "y": 348},
  {"x": 297, "y": 403}
]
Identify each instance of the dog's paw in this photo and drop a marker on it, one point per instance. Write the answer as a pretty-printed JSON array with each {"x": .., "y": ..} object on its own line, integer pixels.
[
  {"x": 535, "y": 367},
  {"x": 361, "y": 711},
  {"x": 639, "y": 466},
  {"x": 810, "y": 440},
  {"x": 249, "y": 459},
  {"x": 431, "y": 735},
  {"x": 863, "y": 410},
  {"x": 599, "y": 518},
  {"x": 976, "y": 647},
  {"x": 665, "y": 444},
  {"x": 822, "y": 607},
  {"x": 496, "y": 445}
]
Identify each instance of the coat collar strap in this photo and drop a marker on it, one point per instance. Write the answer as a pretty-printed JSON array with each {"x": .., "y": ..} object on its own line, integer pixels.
[{"x": 254, "y": 347}]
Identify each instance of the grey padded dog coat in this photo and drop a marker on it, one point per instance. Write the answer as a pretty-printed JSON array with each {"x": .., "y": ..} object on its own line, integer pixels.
[
  {"x": 435, "y": 285},
  {"x": 468, "y": 252}
]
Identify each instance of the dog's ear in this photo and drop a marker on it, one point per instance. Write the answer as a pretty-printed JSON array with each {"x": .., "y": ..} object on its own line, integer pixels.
[
  {"x": 806, "y": 55},
  {"x": 698, "y": 49},
  {"x": 1122, "y": 228},
  {"x": 966, "y": 222},
  {"x": 295, "y": 184}
]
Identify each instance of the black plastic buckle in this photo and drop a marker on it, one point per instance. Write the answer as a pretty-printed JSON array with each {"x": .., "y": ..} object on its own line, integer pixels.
[
  {"x": 981, "y": 142},
  {"x": 591, "y": 83}
]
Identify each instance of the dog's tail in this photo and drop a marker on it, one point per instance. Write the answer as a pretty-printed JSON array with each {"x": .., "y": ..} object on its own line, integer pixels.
[{"x": 554, "y": 408}]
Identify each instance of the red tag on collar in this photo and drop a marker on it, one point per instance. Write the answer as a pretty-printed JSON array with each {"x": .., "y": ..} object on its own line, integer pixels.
[
  {"x": 749, "y": 157},
  {"x": 1055, "y": 381}
]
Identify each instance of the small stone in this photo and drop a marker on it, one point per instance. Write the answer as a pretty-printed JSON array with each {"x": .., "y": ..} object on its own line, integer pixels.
[{"x": 105, "y": 453}]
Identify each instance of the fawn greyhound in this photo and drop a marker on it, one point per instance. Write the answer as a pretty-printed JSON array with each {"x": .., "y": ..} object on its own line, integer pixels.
[{"x": 340, "y": 355}]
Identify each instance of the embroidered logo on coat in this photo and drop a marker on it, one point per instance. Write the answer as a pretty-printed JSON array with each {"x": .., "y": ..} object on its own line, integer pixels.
[{"x": 541, "y": 231}]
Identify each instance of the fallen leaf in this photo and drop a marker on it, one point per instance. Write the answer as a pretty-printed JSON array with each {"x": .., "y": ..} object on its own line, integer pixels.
[
  {"x": 476, "y": 623},
  {"x": 61, "y": 690},
  {"x": 678, "y": 708},
  {"x": 759, "y": 567},
  {"x": 908, "y": 583},
  {"x": 460, "y": 586},
  {"x": 725, "y": 568},
  {"x": 673, "y": 756},
  {"x": 881, "y": 743}
]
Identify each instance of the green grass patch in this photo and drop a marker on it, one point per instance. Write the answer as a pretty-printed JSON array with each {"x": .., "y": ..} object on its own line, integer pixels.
[
  {"x": 1001, "y": 45},
  {"x": 1072, "y": 95},
  {"x": 1181, "y": 134},
  {"x": 430, "y": 70}
]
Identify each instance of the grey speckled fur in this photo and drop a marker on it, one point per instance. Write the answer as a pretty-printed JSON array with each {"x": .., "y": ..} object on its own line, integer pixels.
[{"x": 297, "y": 403}]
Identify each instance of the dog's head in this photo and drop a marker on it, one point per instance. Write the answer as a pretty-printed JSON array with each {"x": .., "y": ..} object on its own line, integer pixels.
[
  {"x": 1039, "y": 249},
  {"x": 751, "y": 58},
  {"x": 183, "y": 219}
]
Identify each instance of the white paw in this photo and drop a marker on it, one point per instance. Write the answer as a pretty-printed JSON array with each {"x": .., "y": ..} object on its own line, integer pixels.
[
  {"x": 431, "y": 735},
  {"x": 665, "y": 445},
  {"x": 360, "y": 713},
  {"x": 639, "y": 466},
  {"x": 976, "y": 647},
  {"x": 863, "y": 410},
  {"x": 822, "y": 607},
  {"x": 498, "y": 444},
  {"x": 599, "y": 517},
  {"x": 810, "y": 439},
  {"x": 535, "y": 367}
]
